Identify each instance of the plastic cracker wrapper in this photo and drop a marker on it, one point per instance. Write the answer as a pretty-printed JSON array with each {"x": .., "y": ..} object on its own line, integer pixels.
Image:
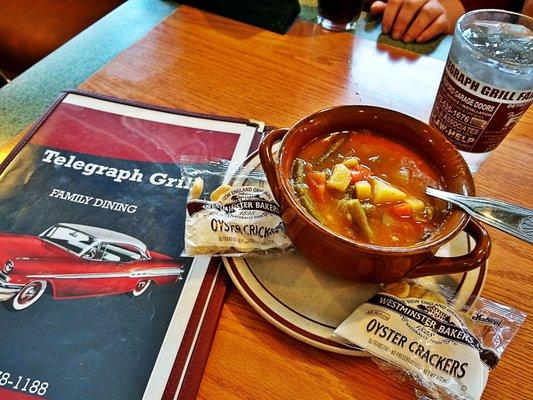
[
  {"x": 414, "y": 330},
  {"x": 237, "y": 218}
]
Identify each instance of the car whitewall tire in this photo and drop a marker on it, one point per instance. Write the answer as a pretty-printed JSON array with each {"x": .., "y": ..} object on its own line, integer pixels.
[
  {"x": 141, "y": 287},
  {"x": 29, "y": 294}
]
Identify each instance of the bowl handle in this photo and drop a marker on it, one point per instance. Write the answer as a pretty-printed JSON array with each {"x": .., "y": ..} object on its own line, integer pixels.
[
  {"x": 267, "y": 159},
  {"x": 450, "y": 265}
]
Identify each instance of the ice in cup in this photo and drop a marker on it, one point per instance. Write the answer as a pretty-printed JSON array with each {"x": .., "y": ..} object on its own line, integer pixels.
[{"x": 487, "y": 82}]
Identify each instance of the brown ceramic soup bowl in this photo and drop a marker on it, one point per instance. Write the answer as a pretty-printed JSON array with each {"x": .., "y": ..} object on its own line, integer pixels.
[{"x": 362, "y": 261}]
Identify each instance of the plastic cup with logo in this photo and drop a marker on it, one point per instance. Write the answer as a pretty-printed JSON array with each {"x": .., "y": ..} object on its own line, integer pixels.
[{"x": 487, "y": 84}]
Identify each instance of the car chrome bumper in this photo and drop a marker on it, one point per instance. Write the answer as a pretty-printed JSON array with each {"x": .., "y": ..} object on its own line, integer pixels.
[{"x": 7, "y": 290}]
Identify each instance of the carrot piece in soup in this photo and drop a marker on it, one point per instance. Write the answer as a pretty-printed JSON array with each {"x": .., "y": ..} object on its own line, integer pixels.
[
  {"x": 317, "y": 184},
  {"x": 356, "y": 176},
  {"x": 401, "y": 210},
  {"x": 359, "y": 173}
]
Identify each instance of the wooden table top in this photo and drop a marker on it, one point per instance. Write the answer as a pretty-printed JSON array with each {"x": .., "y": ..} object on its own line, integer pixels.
[{"x": 204, "y": 63}]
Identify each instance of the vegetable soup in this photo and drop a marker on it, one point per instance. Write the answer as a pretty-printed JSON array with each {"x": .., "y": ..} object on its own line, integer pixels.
[{"x": 368, "y": 188}]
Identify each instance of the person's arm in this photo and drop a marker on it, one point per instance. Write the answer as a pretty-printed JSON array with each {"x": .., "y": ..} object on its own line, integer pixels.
[{"x": 418, "y": 20}]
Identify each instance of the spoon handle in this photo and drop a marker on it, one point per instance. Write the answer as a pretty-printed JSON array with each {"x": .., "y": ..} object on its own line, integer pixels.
[{"x": 510, "y": 218}]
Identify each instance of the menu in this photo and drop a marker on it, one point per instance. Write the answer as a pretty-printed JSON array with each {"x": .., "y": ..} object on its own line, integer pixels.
[{"x": 96, "y": 301}]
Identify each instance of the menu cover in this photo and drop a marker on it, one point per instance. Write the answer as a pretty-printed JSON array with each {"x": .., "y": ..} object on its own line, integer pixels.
[{"x": 96, "y": 300}]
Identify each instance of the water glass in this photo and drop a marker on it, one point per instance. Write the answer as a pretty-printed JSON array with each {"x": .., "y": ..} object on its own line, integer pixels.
[{"x": 487, "y": 82}]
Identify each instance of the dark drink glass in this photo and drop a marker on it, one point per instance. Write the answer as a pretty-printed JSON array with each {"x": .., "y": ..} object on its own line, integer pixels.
[{"x": 339, "y": 15}]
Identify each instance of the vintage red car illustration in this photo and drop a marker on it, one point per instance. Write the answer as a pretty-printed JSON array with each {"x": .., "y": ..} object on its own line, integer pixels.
[{"x": 79, "y": 261}]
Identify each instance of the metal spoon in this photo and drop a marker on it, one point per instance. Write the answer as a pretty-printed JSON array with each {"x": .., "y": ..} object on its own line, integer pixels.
[{"x": 507, "y": 217}]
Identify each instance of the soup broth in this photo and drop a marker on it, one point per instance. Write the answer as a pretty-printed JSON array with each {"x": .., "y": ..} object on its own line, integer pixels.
[{"x": 368, "y": 188}]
